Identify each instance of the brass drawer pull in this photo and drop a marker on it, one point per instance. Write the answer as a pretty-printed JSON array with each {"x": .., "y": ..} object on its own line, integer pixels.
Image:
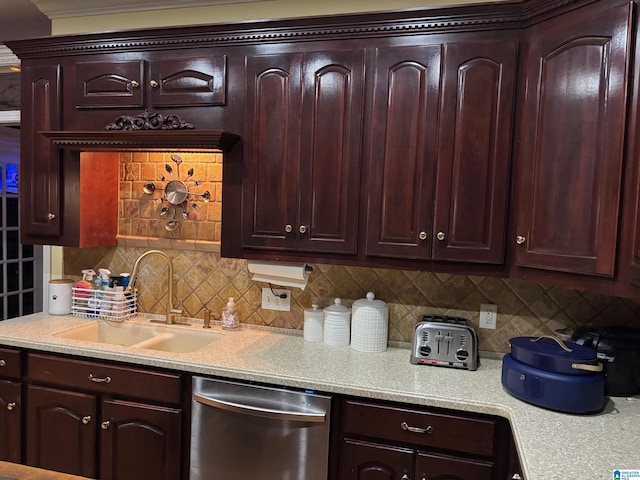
[
  {"x": 95, "y": 379},
  {"x": 11, "y": 406},
  {"x": 406, "y": 427}
]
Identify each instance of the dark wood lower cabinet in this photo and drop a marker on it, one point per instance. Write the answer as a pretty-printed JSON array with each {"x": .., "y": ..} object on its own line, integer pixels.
[
  {"x": 384, "y": 441},
  {"x": 74, "y": 423},
  {"x": 61, "y": 431},
  {"x": 10, "y": 421},
  {"x": 139, "y": 442}
]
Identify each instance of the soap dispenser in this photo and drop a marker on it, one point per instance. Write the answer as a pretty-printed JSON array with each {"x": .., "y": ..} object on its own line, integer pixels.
[{"x": 229, "y": 316}]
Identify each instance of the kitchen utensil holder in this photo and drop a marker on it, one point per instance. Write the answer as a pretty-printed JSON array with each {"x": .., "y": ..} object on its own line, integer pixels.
[{"x": 103, "y": 305}]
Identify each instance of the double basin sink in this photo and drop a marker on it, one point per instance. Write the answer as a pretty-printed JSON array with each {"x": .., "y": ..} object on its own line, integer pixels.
[{"x": 179, "y": 339}]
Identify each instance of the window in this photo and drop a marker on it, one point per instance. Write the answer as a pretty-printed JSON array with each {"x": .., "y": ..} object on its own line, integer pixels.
[{"x": 20, "y": 265}]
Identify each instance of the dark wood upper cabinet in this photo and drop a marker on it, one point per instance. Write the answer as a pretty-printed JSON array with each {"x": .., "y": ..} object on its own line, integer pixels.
[
  {"x": 302, "y": 151},
  {"x": 168, "y": 82},
  {"x": 402, "y": 151},
  {"x": 474, "y": 154},
  {"x": 440, "y": 151},
  {"x": 570, "y": 155},
  {"x": 40, "y": 174}
]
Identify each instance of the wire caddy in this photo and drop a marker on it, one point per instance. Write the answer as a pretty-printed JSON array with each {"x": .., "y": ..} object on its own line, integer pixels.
[{"x": 103, "y": 304}]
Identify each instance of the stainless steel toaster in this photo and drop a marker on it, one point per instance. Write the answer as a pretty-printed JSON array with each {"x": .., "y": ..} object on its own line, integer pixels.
[{"x": 445, "y": 341}]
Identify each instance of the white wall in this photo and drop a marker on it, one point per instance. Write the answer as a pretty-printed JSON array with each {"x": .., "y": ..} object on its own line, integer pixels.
[{"x": 227, "y": 13}]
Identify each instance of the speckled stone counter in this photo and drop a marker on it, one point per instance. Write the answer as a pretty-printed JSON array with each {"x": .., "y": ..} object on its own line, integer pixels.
[{"x": 551, "y": 445}]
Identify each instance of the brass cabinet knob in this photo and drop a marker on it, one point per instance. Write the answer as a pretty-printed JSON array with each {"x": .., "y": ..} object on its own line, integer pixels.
[
  {"x": 288, "y": 228},
  {"x": 154, "y": 84},
  {"x": 422, "y": 235},
  {"x": 520, "y": 239},
  {"x": 405, "y": 477},
  {"x": 516, "y": 476},
  {"x": 86, "y": 419},
  {"x": 106, "y": 424},
  {"x": 11, "y": 406},
  {"x": 2, "y": 363},
  {"x": 303, "y": 229},
  {"x": 50, "y": 216},
  {"x": 441, "y": 236},
  {"x": 134, "y": 84}
]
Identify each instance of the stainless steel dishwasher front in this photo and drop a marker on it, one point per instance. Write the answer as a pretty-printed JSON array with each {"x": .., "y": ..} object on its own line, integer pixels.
[{"x": 242, "y": 430}]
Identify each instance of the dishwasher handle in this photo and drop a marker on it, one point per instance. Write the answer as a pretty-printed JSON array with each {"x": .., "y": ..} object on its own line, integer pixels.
[{"x": 260, "y": 412}]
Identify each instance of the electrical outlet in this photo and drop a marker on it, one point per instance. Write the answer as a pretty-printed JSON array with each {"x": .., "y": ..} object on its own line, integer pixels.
[
  {"x": 488, "y": 316},
  {"x": 274, "y": 302}
]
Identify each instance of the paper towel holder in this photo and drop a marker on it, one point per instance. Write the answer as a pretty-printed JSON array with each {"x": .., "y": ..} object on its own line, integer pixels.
[{"x": 279, "y": 273}]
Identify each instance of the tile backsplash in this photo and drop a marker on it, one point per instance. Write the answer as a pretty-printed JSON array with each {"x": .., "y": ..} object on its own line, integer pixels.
[{"x": 203, "y": 279}]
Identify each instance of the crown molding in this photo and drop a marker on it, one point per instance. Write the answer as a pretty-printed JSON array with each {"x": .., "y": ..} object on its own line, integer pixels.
[{"x": 82, "y": 8}]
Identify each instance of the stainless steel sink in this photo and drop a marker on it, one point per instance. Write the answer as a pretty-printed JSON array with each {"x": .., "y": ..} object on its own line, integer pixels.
[{"x": 141, "y": 335}]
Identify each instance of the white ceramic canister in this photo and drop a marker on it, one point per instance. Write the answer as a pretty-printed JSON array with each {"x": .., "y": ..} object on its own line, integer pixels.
[
  {"x": 313, "y": 324},
  {"x": 337, "y": 324},
  {"x": 369, "y": 325},
  {"x": 60, "y": 296}
]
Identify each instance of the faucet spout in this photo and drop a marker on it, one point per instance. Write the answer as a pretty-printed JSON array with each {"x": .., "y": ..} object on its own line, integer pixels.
[{"x": 171, "y": 311}]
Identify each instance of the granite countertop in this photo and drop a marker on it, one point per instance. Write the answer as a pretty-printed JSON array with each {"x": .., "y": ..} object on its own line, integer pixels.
[
  {"x": 12, "y": 471},
  {"x": 550, "y": 444}
]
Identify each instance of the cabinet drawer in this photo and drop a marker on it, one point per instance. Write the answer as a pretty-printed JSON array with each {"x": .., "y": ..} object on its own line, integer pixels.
[
  {"x": 104, "y": 378},
  {"x": 10, "y": 365},
  {"x": 442, "y": 430}
]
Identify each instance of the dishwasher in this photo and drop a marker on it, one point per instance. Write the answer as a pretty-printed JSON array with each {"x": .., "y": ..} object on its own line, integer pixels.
[{"x": 244, "y": 430}]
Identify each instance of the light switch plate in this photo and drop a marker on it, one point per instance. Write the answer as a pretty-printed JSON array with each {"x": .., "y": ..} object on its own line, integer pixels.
[{"x": 274, "y": 302}]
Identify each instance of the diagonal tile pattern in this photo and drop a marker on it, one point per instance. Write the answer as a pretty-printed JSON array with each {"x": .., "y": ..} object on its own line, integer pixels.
[{"x": 203, "y": 279}]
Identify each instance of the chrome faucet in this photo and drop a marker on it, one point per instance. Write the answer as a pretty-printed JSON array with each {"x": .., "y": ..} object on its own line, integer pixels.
[{"x": 170, "y": 310}]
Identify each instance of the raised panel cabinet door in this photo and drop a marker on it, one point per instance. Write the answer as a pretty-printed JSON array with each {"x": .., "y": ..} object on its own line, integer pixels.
[
  {"x": 139, "y": 441},
  {"x": 332, "y": 115},
  {"x": 61, "y": 431},
  {"x": 474, "y": 152},
  {"x": 39, "y": 189},
  {"x": 272, "y": 151},
  {"x": 402, "y": 151},
  {"x": 10, "y": 421},
  {"x": 110, "y": 84},
  {"x": 372, "y": 461},
  {"x": 433, "y": 466},
  {"x": 179, "y": 82},
  {"x": 572, "y": 138}
]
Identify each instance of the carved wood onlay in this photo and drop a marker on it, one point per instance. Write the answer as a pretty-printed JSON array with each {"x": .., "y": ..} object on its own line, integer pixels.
[{"x": 149, "y": 121}]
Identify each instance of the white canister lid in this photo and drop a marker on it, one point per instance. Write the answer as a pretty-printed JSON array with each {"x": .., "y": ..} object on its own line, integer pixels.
[
  {"x": 313, "y": 311},
  {"x": 337, "y": 307},
  {"x": 61, "y": 281},
  {"x": 370, "y": 301}
]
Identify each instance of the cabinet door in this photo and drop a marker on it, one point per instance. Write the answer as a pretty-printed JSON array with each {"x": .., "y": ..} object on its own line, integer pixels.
[
  {"x": 139, "y": 441},
  {"x": 109, "y": 84},
  {"x": 431, "y": 466},
  {"x": 272, "y": 151},
  {"x": 179, "y": 82},
  {"x": 474, "y": 151},
  {"x": 10, "y": 421},
  {"x": 332, "y": 98},
  {"x": 40, "y": 213},
  {"x": 571, "y": 148},
  {"x": 372, "y": 461},
  {"x": 402, "y": 151},
  {"x": 61, "y": 431}
]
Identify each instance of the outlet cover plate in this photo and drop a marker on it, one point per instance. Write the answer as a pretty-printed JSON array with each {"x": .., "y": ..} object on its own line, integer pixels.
[
  {"x": 488, "y": 316},
  {"x": 274, "y": 302}
]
